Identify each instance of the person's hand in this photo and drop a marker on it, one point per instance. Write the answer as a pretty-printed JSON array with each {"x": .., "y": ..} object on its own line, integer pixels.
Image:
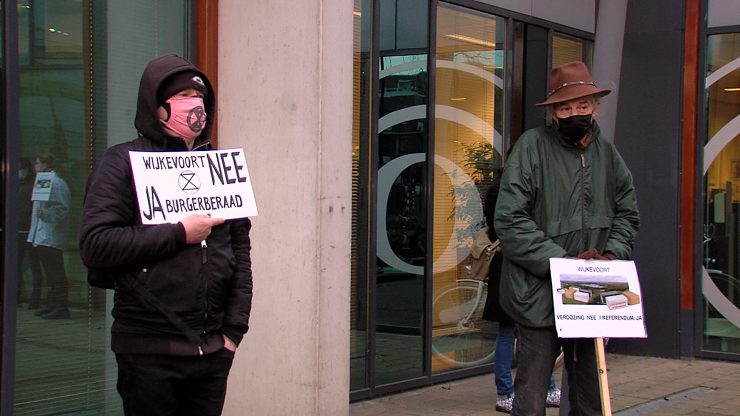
[
  {"x": 608, "y": 256},
  {"x": 588, "y": 254},
  {"x": 198, "y": 227},
  {"x": 229, "y": 344}
]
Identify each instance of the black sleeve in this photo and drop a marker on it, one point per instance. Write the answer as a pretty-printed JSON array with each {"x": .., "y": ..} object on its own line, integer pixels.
[
  {"x": 239, "y": 304},
  {"x": 110, "y": 233}
]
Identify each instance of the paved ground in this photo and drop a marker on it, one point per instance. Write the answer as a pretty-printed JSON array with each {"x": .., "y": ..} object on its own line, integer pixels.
[{"x": 637, "y": 385}]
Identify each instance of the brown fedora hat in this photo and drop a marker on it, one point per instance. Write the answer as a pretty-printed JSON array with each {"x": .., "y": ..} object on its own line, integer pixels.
[{"x": 571, "y": 81}]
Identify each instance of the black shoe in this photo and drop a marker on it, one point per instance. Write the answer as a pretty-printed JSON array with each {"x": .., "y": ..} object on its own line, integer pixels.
[
  {"x": 59, "y": 313},
  {"x": 46, "y": 310}
]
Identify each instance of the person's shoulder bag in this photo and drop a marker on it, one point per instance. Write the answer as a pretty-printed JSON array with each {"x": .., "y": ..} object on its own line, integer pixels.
[{"x": 482, "y": 252}]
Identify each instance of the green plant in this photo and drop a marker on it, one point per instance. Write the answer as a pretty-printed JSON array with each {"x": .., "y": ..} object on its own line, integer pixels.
[{"x": 482, "y": 163}]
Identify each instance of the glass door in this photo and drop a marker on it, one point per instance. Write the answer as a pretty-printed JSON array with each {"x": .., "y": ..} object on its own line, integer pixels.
[
  {"x": 468, "y": 147},
  {"x": 390, "y": 142},
  {"x": 721, "y": 267},
  {"x": 399, "y": 156},
  {"x": 401, "y": 218}
]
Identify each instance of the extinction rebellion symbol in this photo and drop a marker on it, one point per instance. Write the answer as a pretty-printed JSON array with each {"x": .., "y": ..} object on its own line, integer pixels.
[
  {"x": 196, "y": 119},
  {"x": 189, "y": 182}
]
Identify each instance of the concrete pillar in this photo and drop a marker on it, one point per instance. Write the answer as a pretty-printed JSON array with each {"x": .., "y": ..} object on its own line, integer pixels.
[
  {"x": 285, "y": 96},
  {"x": 608, "y": 59}
]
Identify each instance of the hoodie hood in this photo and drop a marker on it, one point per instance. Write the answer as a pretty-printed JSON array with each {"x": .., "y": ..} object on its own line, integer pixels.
[{"x": 147, "y": 122}]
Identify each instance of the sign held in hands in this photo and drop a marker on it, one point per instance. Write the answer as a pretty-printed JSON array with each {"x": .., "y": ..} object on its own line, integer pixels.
[
  {"x": 172, "y": 185},
  {"x": 42, "y": 186},
  {"x": 594, "y": 299}
]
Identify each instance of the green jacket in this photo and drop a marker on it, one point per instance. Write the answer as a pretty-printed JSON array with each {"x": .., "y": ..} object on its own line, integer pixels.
[{"x": 559, "y": 200}]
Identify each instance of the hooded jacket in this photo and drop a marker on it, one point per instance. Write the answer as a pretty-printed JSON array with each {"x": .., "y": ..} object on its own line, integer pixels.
[
  {"x": 558, "y": 200},
  {"x": 209, "y": 288}
]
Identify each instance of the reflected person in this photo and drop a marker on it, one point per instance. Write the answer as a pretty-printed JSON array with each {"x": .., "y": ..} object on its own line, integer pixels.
[
  {"x": 46, "y": 235},
  {"x": 25, "y": 205}
]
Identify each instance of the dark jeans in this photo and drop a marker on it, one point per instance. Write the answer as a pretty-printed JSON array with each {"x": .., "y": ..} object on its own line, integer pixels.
[
  {"x": 538, "y": 349},
  {"x": 49, "y": 262},
  {"x": 502, "y": 360},
  {"x": 23, "y": 248},
  {"x": 161, "y": 385}
]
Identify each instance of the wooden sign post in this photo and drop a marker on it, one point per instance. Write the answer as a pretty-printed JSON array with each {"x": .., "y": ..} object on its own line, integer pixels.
[
  {"x": 606, "y": 406},
  {"x": 597, "y": 299}
]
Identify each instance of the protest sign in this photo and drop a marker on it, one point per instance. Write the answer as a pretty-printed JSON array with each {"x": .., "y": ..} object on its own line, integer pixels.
[
  {"x": 594, "y": 299},
  {"x": 173, "y": 185},
  {"x": 42, "y": 186}
]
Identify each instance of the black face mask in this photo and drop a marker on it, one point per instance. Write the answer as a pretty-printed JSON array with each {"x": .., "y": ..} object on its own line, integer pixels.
[{"x": 574, "y": 128}]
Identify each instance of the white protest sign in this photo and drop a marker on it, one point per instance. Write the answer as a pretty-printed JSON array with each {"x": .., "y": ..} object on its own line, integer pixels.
[
  {"x": 596, "y": 298},
  {"x": 172, "y": 185},
  {"x": 42, "y": 186}
]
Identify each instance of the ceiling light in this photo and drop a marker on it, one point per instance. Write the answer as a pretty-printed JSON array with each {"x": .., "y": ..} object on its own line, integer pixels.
[{"x": 469, "y": 39}]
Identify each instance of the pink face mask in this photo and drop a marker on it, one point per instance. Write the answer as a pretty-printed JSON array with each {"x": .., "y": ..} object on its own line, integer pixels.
[{"x": 187, "y": 116}]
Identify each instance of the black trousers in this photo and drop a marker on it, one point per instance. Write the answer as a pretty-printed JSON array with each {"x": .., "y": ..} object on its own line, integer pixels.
[
  {"x": 49, "y": 262},
  {"x": 23, "y": 248},
  {"x": 538, "y": 348},
  {"x": 160, "y": 385}
]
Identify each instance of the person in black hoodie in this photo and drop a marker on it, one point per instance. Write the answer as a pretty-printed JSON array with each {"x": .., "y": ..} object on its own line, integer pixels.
[{"x": 183, "y": 292}]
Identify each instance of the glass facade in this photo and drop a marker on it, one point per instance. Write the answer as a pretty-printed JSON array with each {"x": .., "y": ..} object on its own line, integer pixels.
[
  {"x": 56, "y": 336},
  {"x": 468, "y": 144},
  {"x": 433, "y": 117},
  {"x": 79, "y": 69},
  {"x": 567, "y": 48},
  {"x": 401, "y": 183},
  {"x": 721, "y": 266}
]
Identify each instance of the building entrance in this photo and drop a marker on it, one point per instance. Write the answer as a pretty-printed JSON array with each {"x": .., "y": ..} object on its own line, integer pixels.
[{"x": 721, "y": 266}]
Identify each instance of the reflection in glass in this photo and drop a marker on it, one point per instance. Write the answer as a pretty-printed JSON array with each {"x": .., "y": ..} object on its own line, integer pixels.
[
  {"x": 401, "y": 217},
  {"x": 69, "y": 108},
  {"x": 468, "y": 146},
  {"x": 403, "y": 25},
  {"x": 59, "y": 335},
  {"x": 400, "y": 228},
  {"x": 720, "y": 283}
]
